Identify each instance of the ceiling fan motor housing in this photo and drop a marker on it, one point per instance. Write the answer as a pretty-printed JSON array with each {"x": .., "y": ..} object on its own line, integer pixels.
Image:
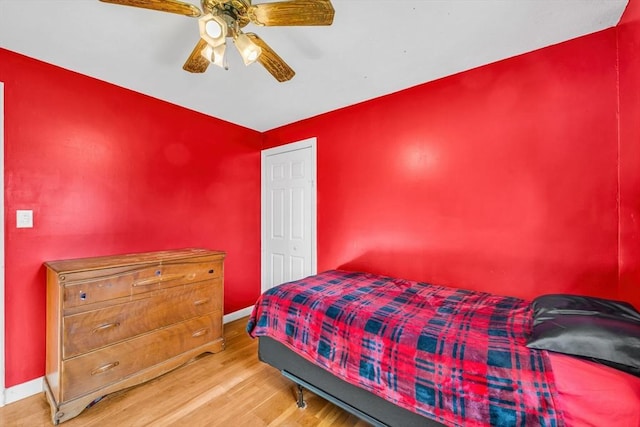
[{"x": 234, "y": 12}]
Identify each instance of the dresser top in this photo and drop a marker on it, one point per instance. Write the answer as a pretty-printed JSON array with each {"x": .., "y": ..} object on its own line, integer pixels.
[{"x": 81, "y": 264}]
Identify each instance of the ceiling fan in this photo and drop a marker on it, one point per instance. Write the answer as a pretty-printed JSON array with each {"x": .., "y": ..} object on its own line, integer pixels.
[{"x": 222, "y": 19}]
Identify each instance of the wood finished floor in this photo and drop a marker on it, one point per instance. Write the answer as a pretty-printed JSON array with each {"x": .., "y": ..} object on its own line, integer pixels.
[{"x": 231, "y": 388}]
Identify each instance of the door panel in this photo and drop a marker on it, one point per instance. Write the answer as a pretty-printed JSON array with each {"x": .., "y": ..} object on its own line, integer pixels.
[
  {"x": 277, "y": 213},
  {"x": 298, "y": 210},
  {"x": 277, "y": 269},
  {"x": 297, "y": 268}
]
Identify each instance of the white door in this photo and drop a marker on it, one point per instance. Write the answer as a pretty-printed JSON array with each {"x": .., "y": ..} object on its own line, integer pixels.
[{"x": 288, "y": 213}]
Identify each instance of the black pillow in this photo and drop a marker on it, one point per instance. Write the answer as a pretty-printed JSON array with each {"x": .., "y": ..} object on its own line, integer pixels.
[{"x": 605, "y": 331}]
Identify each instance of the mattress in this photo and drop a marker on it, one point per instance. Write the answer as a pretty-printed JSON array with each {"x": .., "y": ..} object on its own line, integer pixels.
[{"x": 592, "y": 394}]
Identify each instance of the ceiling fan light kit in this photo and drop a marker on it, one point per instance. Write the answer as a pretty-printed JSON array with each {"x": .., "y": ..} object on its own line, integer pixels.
[{"x": 221, "y": 19}]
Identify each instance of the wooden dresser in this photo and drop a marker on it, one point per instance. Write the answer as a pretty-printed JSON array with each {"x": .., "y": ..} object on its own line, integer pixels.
[{"x": 117, "y": 321}]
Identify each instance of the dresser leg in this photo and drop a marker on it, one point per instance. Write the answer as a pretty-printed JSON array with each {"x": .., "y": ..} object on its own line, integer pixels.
[
  {"x": 69, "y": 410},
  {"x": 65, "y": 411}
]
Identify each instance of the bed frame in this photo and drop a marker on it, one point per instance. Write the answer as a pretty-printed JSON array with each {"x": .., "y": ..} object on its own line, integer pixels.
[{"x": 361, "y": 403}]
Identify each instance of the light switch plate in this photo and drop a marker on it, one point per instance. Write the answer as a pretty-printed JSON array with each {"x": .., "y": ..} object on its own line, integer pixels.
[{"x": 24, "y": 219}]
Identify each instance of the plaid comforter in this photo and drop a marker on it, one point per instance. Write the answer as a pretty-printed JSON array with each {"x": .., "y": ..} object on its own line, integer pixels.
[{"x": 452, "y": 355}]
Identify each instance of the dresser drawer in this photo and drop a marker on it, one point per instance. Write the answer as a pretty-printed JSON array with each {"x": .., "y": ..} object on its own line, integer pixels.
[
  {"x": 94, "y": 370},
  {"x": 178, "y": 273},
  {"x": 84, "y": 288},
  {"x": 88, "y": 331}
]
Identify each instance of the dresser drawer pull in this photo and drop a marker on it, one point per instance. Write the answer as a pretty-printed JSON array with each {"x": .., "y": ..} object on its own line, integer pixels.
[
  {"x": 147, "y": 282},
  {"x": 168, "y": 277},
  {"x": 200, "y": 332},
  {"x": 201, "y": 301},
  {"x": 105, "y": 326},
  {"x": 104, "y": 368}
]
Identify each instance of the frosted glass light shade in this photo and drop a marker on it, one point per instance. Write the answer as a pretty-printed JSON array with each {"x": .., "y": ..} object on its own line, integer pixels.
[
  {"x": 249, "y": 51},
  {"x": 215, "y": 55},
  {"x": 213, "y": 29}
]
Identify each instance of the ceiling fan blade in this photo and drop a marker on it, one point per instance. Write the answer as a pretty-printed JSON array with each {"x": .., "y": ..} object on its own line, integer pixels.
[
  {"x": 172, "y": 6},
  {"x": 293, "y": 12},
  {"x": 271, "y": 61},
  {"x": 196, "y": 63}
]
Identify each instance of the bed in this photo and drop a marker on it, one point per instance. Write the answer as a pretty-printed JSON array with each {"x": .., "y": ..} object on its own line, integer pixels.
[{"x": 402, "y": 353}]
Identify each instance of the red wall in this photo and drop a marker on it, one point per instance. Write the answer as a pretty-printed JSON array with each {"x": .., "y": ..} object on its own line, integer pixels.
[
  {"x": 109, "y": 171},
  {"x": 629, "y": 63},
  {"x": 502, "y": 178}
]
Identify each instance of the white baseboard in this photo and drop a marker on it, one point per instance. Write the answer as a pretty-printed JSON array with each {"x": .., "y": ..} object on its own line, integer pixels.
[
  {"x": 24, "y": 390},
  {"x": 237, "y": 314}
]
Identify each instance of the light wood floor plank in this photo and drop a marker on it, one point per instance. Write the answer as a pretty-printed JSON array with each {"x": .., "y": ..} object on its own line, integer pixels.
[{"x": 231, "y": 388}]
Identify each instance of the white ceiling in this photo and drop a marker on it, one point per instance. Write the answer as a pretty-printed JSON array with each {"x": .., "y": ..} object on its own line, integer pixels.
[{"x": 373, "y": 48}]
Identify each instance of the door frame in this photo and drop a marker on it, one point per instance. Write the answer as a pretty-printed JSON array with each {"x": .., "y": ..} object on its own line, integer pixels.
[
  {"x": 3, "y": 371},
  {"x": 311, "y": 144}
]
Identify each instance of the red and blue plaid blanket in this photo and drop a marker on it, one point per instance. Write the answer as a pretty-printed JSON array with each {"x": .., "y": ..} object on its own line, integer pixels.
[{"x": 456, "y": 356}]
